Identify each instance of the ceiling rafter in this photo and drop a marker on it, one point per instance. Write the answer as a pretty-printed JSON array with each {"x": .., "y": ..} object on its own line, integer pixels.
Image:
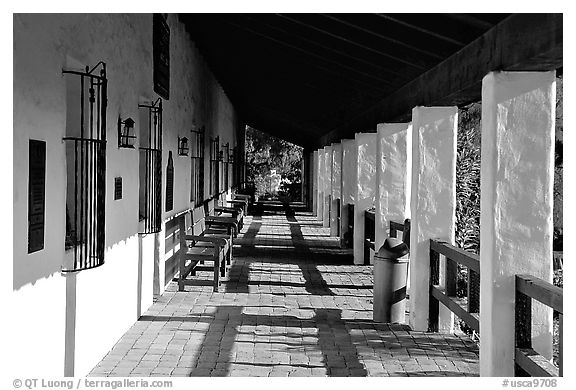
[
  {"x": 367, "y": 31},
  {"x": 349, "y": 68},
  {"x": 328, "y": 48},
  {"x": 377, "y": 90},
  {"x": 351, "y": 42},
  {"x": 470, "y": 20},
  {"x": 423, "y": 30}
]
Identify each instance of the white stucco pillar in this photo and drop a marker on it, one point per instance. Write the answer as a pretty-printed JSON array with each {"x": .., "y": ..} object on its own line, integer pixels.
[
  {"x": 432, "y": 203},
  {"x": 336, "y": 189},
  {"x": 327, "y": 185},
  {"x": 314, "y": 179},
  {"x": 349, "y": 178},
  {"x": 365, "y": 189},
  {"x": 517, "y": 173},
  {"x": 320, "y": 198},
  {"x": 393, "y": 160}
]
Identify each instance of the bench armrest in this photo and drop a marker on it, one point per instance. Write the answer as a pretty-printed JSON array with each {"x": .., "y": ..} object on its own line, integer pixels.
[
  {"x": 222, "y": 220},
  {"x": 231, "y": 209},
  {"x": 217, "y": 241}
]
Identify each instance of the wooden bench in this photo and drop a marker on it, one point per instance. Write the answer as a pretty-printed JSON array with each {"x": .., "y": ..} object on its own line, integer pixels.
[
  {"x": 200, "y": 244},
  {"x": 231, "y": 206},
  {"x": 217, "y": 216},
  {"x": 241, "y": 200}
]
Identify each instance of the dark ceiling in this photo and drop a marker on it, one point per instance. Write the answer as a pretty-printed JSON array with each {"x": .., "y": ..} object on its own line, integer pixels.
[{"x": 300, "y": 76}]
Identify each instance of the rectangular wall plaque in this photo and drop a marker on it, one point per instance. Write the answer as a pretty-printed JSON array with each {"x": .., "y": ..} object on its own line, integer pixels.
[
  {"x": 36, "y": 194},
  {"x": 170, "y": 183},
  {"x": 117, "y": 188}
]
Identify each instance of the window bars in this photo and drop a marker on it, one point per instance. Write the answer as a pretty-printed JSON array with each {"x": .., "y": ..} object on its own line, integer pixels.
[
  {"x": 215, "y": 157},
  {"x": 226, "y": 164},
  {"x": 86, "y": 160},
  {"x": 197, "y": 167},
  {"x": 151, "y": 156}
]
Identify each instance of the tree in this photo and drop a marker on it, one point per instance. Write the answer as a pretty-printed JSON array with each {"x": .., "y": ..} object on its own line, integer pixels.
[{"x": 265, "y": 153}]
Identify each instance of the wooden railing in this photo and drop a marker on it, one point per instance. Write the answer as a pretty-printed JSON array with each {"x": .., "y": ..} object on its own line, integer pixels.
[
  {"x": 526, "y": 360},
  {"x": 369, "y": 234},
  {"x": 468, "y": 308},
  {"x": 396, "y": 227}
]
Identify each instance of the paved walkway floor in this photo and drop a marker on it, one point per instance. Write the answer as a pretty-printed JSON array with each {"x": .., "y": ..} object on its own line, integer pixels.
[{"x": 293, "y": 305}]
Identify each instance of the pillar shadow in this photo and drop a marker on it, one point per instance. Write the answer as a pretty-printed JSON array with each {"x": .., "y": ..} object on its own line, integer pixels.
[{"x": 314, "y": 282}]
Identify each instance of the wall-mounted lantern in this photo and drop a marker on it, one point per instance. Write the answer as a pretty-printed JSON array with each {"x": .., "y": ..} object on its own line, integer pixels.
[
  {"x": 183, "y": 146},
  {"x": 126, "y": 136}
]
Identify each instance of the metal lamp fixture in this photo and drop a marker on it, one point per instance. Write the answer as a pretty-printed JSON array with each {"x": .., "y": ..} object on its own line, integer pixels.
[
  {"x": 126, "y": 135},
  {"x": 183, "y": 146}
]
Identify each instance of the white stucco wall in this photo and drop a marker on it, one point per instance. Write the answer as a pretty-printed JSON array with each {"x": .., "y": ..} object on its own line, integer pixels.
[
  {"x": 393, "y": 158},
  {"x": 517, "y": 173},
  {"x": 433, "y": 201},
  {"x": 103, "y": 302},
  {"x": 365, "y": 188}
]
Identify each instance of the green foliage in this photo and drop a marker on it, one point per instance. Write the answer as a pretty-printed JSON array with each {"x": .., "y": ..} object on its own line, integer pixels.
[
  {"x": 265, "y": 153},
  {"x": 558, "y": 169},
  {"x": 467, "y": 234},
  {"x": 467, "y": 230}
]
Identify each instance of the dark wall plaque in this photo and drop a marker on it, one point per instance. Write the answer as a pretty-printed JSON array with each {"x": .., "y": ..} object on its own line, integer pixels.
[
  {"x": 117, "y": 188},
  {"x": 161, "y": 55},
  {"x": 36, "y": 194},
  {"x": 170, "y": 183}
]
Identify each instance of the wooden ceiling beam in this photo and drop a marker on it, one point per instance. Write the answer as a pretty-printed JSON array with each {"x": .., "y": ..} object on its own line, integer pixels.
[
  {"x": 423, "y": 30},
  {"x": 353, "y": 43}
]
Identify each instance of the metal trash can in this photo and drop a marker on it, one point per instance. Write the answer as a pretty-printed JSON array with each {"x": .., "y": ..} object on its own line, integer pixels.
[{"x": 390, "y": 272}]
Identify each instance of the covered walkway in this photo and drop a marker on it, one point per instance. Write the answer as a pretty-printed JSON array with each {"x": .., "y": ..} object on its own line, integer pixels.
[{"x": 294, "y": 305}]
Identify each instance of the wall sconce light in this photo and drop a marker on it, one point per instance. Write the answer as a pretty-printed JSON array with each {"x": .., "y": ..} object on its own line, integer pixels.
[
  {"x": 183, "y": 146},
  {"x": 126, "y": 135}
]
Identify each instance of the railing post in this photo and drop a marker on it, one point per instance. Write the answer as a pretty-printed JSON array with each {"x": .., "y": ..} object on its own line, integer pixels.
[
  {"x": 451, "y": 269},
  {"x": 522, "y": 326},
  {"x": 516, "y": 183},
  {"x": 433, "y": 304},
  {"x": 473, "y": 291},
  {"x": 560, "y": 345}
]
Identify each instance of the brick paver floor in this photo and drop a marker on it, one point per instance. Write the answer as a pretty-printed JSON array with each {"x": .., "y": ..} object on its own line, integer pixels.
[{"x": 293, "y": 305}]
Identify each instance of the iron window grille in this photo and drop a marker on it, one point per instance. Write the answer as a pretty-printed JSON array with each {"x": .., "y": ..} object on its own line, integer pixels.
[
  {"x": 151, "y": 181},
  {"x": 215, "y": 157},
  {"x": 234, "y": 163},
  {"x": 226, "y": 164},
  {"x": 197, "y": 166},
  {"x": 86, "y": 158}
]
